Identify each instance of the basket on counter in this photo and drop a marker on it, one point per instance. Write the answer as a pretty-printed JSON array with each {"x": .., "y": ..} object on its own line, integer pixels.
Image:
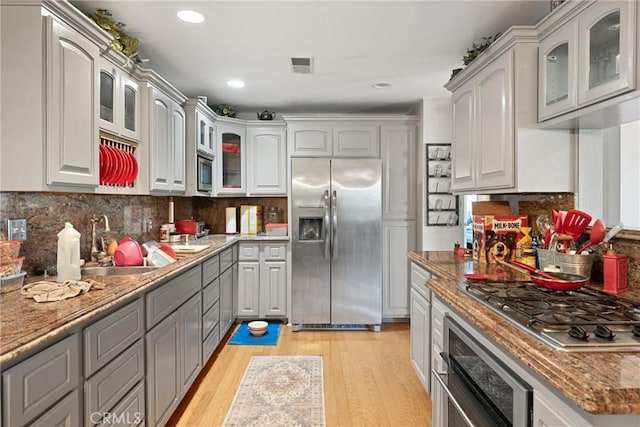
[{"x": 574, "y": 264}]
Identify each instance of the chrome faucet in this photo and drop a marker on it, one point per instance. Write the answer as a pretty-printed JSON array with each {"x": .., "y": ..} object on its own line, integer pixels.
[{"x": 98, "y": 255}]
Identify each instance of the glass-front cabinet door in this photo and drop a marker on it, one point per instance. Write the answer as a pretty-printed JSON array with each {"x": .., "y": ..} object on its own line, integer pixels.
[
  {"x": 206, "y": 134},
  {"x": 557, "y": 62},
  {"x": 119, "y": 102},
  {"x": 231, "y": 174},
  {"x": 108, "y": 83},
  {"x": 130, "y": 108},
  {"x": 606, "y": 55}
]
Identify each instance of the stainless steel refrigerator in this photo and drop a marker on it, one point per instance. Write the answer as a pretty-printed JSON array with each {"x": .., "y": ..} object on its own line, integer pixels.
[{"x": 336, "y": 207}]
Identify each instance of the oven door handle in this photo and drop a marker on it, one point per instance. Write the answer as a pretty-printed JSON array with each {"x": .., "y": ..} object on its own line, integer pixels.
[{"x": 439, "y": 377}]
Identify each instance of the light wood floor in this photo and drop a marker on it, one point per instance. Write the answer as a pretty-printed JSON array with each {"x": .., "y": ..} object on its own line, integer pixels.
[{"x": 368, "y": 378}]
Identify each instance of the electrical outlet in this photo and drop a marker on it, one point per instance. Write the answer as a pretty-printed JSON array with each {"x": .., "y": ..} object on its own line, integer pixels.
[{"x": 17, "y": 229}]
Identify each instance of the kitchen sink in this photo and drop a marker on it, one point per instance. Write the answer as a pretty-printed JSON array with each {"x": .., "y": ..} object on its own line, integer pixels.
[{"x": 116, "y": 271}]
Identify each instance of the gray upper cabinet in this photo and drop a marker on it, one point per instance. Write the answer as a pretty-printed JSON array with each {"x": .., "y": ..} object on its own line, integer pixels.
[
  {"x": 606, "y": 39},
  {"x": 497, "y": 146},
  {"x": 557, "y": 72},
  {"x": 339, "y": 136},
  {"x": 49, "y": 97},
  {"x": 356, "y": 140},
  {"x": 399, "y": 146},
  {"x": 310, "y": 139},
  {"x": 231, "y": 157},
  {"x": 119, "y": 112},
  {"x": 33, "y": 385},
  {"x": 72, "y": 132},
  {"x": 587, "y": 64},
  {"x": 167, "y": 143},
  {"x": 267, "y": 160}
]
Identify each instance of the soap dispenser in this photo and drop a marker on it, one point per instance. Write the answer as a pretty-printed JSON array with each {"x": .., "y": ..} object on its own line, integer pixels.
[{"x": 68, "y": 254}]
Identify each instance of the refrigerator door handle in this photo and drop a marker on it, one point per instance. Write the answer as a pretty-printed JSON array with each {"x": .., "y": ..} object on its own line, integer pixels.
[
  {"x": 334, "y": 225},
  {"x": 327, "y": 252}
]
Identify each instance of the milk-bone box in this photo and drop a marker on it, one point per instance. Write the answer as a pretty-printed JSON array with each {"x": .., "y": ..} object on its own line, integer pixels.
[{"x": 496, "y": 231}]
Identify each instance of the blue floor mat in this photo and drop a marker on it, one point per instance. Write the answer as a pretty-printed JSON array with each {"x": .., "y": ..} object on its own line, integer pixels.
[{"x": 243, "y": 337}]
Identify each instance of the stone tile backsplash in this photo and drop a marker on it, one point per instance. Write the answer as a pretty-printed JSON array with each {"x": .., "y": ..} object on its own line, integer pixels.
[
  {"x": 626, "y": 242},
  {"x": 46, "y": 214}
]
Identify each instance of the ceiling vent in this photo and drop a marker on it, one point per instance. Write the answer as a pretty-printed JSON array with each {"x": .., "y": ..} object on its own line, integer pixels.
[{"x": 301, "y": 65}]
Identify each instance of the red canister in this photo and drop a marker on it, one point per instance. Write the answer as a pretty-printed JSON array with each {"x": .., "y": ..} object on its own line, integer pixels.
[{"x": 614, "y": 268}]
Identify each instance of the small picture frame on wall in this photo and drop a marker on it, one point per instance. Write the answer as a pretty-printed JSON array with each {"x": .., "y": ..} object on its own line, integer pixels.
[{"x": 556, "y": 3}]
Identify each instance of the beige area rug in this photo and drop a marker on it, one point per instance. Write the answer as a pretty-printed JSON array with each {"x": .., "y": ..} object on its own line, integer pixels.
[{"x": 279, "y": 391}]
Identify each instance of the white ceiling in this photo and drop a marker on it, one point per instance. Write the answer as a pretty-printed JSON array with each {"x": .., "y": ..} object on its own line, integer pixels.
[{"x": 413, "y": 45}]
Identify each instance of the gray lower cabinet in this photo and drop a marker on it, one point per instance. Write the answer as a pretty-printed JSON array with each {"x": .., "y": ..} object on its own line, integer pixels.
[
  {"x": 113, "y": 364},
  {"x": 262, "y": 280},
  {"x": 174, "y": 347},
  {"x": 226, "y": 258},
  {"x": 35, "y": 384},
  {"x": 420, "y": 309},
  {"x": 163, "y": 370},
  {"x": 190, "y": 335},
  {"x": 129, "y": 412},
  {"x": 168, "y": 297},
  {"x": 273, "y": 288},
  {"x": 226, "y": 301},
  {"x": 66, "y": 413},
  {"x": 112, "y": 373},
  {"x": 104, "y": 390},
  {"x": 235, "y": 289},
  {"x": 210, "y": 318},
  {"x": 111, "y": 335},
  {"x": 249, "y": 289}
]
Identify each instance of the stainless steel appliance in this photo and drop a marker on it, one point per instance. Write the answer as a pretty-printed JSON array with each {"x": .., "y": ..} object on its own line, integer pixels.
[
  {"x": 480, "y": 389},
  {"x": 205, "y": 173},
  {"x": 191, "y": 227},
  {"x": 580, "y": 320},
  {"x": 336, "y": 207}
]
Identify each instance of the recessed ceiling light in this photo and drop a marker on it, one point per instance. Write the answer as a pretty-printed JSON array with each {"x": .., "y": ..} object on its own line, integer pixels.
[
  {"x": 191, "y": 16},
  {"x": 235, "y": 83},
  {"x": 381, "y": 85}
]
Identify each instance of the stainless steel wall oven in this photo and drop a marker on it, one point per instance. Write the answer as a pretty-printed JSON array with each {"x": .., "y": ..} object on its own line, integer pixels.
[
  {"x": 205, "y": 173},
  {"x": 480, "y": 389}
]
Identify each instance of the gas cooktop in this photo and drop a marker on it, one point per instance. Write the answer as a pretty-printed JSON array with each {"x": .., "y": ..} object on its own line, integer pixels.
[{"x": 582, "y": 320}]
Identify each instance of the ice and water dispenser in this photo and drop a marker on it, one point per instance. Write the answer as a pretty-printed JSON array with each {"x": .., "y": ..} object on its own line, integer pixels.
[{"x": 310, "y": 224}]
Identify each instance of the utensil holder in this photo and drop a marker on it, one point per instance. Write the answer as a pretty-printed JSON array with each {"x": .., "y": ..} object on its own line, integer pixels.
[{"x": 572, "y": 264}]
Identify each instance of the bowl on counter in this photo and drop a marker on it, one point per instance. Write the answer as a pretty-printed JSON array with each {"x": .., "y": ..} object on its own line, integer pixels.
[
  {"x": 128, "y": 253},
  {"x": 258, "y": 327}
]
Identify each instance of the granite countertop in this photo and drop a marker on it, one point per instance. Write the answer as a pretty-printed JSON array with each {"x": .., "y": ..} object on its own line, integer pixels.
[
  {"x": 600, "y": 383},
  {"x": 26, "y": 325}
]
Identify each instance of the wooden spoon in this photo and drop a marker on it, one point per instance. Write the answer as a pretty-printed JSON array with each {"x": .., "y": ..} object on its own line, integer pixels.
[{"x": 598, "y": 231}]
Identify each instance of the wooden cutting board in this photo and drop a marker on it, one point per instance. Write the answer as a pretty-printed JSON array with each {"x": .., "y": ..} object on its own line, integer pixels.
[{"x": 189, "y": 249}]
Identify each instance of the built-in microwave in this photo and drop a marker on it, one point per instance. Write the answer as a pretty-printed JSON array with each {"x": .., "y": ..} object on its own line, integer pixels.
[
  {"x": 205, "y": 173},
  {"x": 480, "y": 389}
]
